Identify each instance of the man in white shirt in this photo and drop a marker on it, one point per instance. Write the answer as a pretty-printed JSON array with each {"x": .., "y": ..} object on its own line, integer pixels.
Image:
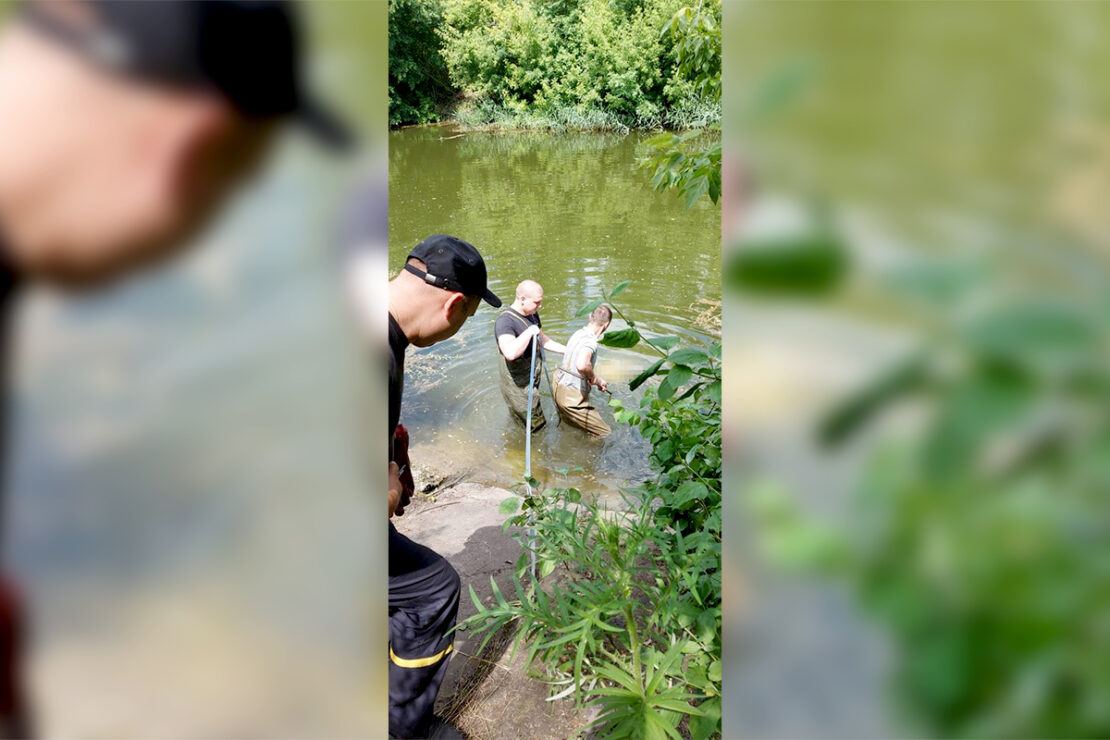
[{"x": 576, "y": 376}]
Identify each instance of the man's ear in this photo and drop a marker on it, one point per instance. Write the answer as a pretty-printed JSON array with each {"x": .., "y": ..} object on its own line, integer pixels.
[
  {"x": 189, "y": 142},
  {"x": 456, "y": 304}
]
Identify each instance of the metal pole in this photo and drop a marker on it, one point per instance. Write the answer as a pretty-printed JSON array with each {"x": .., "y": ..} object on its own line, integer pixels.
[{"x": 528, "y": 463}]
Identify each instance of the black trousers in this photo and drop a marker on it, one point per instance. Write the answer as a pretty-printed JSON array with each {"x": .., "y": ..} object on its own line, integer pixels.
[{"x": 423, "y": 604}]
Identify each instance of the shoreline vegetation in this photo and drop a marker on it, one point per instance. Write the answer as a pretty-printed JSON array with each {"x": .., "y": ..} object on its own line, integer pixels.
[
  {"x": 483, "y": 116},
  {"x": 554, "y": 65}
]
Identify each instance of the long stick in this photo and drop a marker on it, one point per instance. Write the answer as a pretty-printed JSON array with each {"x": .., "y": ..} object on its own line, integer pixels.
[{"x": 528, "y": 464}]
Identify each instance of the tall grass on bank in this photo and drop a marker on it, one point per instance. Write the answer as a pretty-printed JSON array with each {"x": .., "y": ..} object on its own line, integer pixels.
[
  {"x": 488, "y": 115},
  {"x": 630, "y": 622}
]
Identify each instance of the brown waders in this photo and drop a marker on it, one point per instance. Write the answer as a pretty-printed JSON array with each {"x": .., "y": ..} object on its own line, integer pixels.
[{"x": 575, "y": 408}]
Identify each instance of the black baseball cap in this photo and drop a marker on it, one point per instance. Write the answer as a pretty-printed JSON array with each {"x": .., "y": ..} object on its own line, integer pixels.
[
  {"x": 452, "y": 265},
  {"x": 248, "y": 51}
]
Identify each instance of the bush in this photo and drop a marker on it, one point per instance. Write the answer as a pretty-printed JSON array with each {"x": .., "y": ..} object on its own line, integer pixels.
[
  {"x": 632, "y": 623},
  {"x": 419, "y": 85},
  {"x": 685, "y": 162},
  {"x": 523, "y": 63}
]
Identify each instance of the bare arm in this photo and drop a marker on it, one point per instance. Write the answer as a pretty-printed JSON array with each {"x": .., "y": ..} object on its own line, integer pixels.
[
  {"x": 551, "y": 345},
  {"x": 585, "y": 366},
  {"x": 513, "y": 347}
]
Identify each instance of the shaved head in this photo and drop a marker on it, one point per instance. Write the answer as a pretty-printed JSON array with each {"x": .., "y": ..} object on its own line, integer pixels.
[
  {"x": 529, "y": 297},
  {"x": 529, "y": 289}
]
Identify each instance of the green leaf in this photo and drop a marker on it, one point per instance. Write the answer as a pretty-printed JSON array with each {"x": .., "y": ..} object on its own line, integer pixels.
[
  {"x": 708, "y": 723},
  {"x": 664, "y": 343},
  {"x": 674, "y": 654},
  {"x": 666, "y": 389},
  {"x": 851, "y": 414},
  {"x": 713, "y": 390},
  {"x": 477, "y": 602},
  {"x": 619, "y": 289},
  {"x": 588, "y": 307},
  {"x": 689, "y": 357},
  {"x": 510, "y": 505},
  {"x": 679, "y": 375},
  {"x": 639, "y": 379},
  {"x": 657, "y": 728},
  {"x": 1040, "y": 334},
  {"x": 618, "y": 675},
  {"x": 977, "y": 411},
  {"x": 697, "y": 187},
  {"x": 806, "y": 265},
  {"x": 497, "y": 593},
  {"x": 692, "y": 490},
  {"x": 690, "y": 391},
  {"x": 622, "y": 338}
]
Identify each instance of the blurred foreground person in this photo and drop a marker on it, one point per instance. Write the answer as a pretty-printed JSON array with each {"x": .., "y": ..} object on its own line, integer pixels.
[
  {"x": 576, "y": 376},
  {"x": 123, "y": 127},
  {"x": 441, "y": 286},
  {"x": 515, "y": 330}
]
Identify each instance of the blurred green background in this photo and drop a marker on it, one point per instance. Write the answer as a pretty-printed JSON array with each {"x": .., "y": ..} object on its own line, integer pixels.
[
  {"x": 190, "y": 504},
  {"x": 916, "y": 301}
]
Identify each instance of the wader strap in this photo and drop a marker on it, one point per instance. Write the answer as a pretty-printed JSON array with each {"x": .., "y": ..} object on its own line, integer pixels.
[
  {"x": 573, "y": 375},
  {"x": 513, "y": 312}
]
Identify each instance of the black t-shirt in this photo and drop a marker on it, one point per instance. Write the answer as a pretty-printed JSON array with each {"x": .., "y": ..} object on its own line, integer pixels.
[
  {"x": 511, "y": 322},
  {"x": 398, "y": 342}
]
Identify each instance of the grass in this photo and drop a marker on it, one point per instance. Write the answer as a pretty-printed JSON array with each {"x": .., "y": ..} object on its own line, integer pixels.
[{"x": 487, "y": 115}]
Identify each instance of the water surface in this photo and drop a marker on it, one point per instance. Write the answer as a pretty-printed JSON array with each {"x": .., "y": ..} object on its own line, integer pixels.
[{"x": 576, "y": 213}]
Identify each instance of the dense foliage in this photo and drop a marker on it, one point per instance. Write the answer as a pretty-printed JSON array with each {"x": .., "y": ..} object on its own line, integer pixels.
[
  {"x": 419, "y": 84},
  {"x": 981, "y": 538},
  {"x": 631, "y": 621},
  {"x": 688, "y": 162},
  {"x": 550, "y": 64}
]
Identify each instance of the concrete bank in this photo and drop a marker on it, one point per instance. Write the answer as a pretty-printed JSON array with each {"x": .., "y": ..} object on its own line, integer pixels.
[{"x": 487, "y": 696}]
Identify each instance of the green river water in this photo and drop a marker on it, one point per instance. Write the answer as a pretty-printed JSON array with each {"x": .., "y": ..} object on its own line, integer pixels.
[{"x": 576, "y": 213}]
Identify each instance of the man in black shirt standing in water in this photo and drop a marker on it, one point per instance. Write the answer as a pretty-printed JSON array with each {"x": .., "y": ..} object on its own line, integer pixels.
[
  {"x": 123, "y": 126},
  {"x": 440, "y": 287},
  {"x": 516, "y": 330}
]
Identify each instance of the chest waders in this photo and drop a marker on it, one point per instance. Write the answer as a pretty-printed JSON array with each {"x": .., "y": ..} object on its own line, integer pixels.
[{"x": 516, "y": 385}]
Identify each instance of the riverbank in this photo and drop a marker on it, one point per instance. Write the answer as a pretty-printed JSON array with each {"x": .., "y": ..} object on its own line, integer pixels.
[
  {"x": 483, "y": 115},
  {"x": 469, "y": 117},
  {"x": 488, "y": 696}
]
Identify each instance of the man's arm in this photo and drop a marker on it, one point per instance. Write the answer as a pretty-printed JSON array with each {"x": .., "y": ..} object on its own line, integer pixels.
[
  {"x": 551, "y": 345},
  {"x": 585, "y": 365},
  {"x": 513, "y": 347}
]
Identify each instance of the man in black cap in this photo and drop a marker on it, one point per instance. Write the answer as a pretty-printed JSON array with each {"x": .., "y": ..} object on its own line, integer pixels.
[
  {"x": 123, "y": 126},
  {"x": 440, "y": 287}
]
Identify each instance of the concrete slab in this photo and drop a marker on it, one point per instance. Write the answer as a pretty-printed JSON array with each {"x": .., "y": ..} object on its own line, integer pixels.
[{"x": 486, "y": 695}]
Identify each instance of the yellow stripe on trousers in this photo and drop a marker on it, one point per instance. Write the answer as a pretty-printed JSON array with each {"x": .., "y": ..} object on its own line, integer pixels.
[{"x": 419, "y": 662}]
